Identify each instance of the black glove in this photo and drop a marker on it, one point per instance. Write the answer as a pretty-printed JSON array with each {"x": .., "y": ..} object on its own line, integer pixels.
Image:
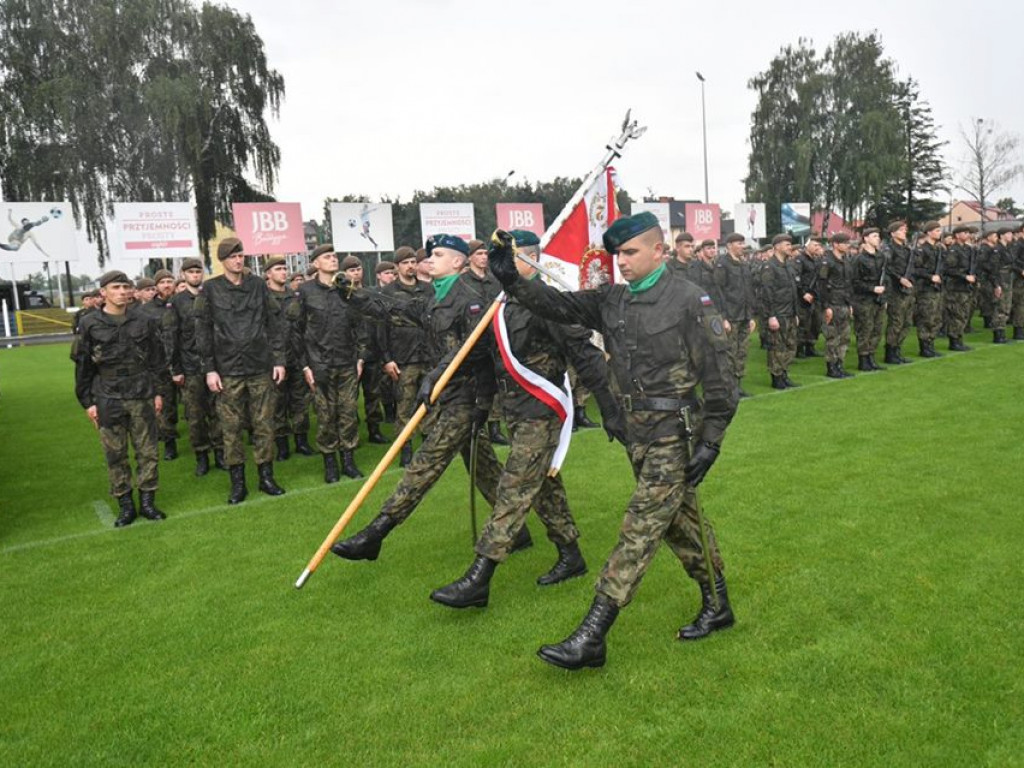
[
  {"x": 426, "y": 387},
  {"x": 480, "y": 417},
  {"x": 344, "y": 286},
  {"x": 501, "y": 258},
  {"x": 612, "y": 417},
  {"x": 703, "y": 457}
]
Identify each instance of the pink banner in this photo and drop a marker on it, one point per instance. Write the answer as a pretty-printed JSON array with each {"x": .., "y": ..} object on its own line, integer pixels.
[
  {"x": 528, "y": 216},
  {"x": 269, "y": 227},
  {"x": 704, "y": 221}
]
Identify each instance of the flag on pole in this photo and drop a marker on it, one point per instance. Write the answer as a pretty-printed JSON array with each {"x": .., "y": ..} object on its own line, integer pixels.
[{"x": 575, "y": 251}]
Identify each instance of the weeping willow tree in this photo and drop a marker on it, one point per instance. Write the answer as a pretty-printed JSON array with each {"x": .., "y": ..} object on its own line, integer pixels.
[{"x": 144, "y": 100}]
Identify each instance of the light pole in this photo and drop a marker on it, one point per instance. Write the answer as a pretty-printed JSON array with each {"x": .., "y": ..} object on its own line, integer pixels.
[{"x": 704, "y": 122}]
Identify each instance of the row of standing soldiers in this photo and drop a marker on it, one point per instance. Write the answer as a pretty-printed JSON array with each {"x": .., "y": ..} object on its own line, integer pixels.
[{"x": 873, "y": 286}]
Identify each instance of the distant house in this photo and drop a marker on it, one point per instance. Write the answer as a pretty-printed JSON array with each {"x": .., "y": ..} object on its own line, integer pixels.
[{"x": 969, "y": 212}]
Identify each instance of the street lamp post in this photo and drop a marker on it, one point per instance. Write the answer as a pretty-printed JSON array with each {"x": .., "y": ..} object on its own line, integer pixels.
[{"x": 704, "y": 123}]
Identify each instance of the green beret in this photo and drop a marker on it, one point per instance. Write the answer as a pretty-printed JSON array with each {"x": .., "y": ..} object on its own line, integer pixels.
[
  {"x": 840, "y": 237},
  {"x": 403, "y": 253},
  {"x": 735, "y": 237},
  {"x": 351, "y": 262},
  {"x": 684, "y": 237},
  {"x": 144, "y": 282},
  {"x": 162, "y": 274},
  {"x": 524, "y": 238},
  {"x": 894, "y": 225},
  {"x": 625, "y": 229},
  {"x": 961, "y": 228},
  {"x": 784, "y": 237},
  {"x": 228, "y": 246},
  {"x": 273, "y": 261},
  {"x": 870, "y": 231},
  {"x": 385, "y": 266},
  {"x": 928, "y": 226},
  {"x": 447, "y": 241},
  {"x": 191, "y": 263},
  {"x": 114, "y": 276},
  {"x": 320, "y": 250}
]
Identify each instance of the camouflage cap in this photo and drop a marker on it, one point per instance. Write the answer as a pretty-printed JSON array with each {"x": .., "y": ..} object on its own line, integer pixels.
[
  {"x": 114, "y": 276},
  {"x": 228, "y": 247}
]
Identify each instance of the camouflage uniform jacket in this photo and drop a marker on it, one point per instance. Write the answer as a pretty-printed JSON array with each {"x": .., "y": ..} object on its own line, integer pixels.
[
  {"x": 900, "y": 261},
  {"x": 807, "y": 269},
  {"x": 928, "y": 261},
  {"x": 956, "y": 265},
  {"x": 284, "y": 299},
  {"x": 162, "y": 314},
  {"x": 734, "y": 283},
  {"x": 328, "y": 331},
  {"x": 239, "y": 330},
  {"x": 834, "y": 281},
  {"x": 405, "y": 342},
  {"x": 777, "y": 290},
  {"x": 663, "y": 342},
  {"x": 994, "y": 264},
  {"x": 184, "y": 348},
  {"x": 119, "y": 358},
  {"x": 866, "y": 272}
]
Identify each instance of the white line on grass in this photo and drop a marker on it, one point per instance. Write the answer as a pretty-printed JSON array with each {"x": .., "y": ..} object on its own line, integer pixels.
[{"x": 104, "y": 514}]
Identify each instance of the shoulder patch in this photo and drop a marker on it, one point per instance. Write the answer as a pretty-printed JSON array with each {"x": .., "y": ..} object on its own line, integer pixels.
[
  {"x": 474, "y": 309},
  {"x": 716, "y": 326},
  {"x": 705, "y": 300}
]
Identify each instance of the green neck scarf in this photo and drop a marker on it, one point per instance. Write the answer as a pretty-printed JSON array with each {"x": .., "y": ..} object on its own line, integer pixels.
[
  {"x": 442, "y": 285},
  {"x": 639, "y": 286}
]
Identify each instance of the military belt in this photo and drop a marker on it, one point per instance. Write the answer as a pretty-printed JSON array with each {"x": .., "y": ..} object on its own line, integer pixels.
[
  {"x": 120, "y": 373},
  {"x": 631, "y": 403}
]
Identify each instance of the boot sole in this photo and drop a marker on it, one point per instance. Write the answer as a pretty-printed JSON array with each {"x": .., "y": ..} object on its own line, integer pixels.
[
  {"x": 556, "y": 662},
  {"x": 574, "y": 575},
  {"x": 346, "y": 556},
  {"x": 451, "y": 604},
  {"x": 711, "y": 630}
]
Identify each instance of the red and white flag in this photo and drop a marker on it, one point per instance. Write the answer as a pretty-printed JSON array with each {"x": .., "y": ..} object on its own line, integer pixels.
[{"x": 576, "y": 252}]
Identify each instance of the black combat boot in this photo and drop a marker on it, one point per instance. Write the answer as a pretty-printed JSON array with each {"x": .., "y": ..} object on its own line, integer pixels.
[
  {"x": 376, "y": 437},
  {"x": 580, "y": 418},
  {"x": 522, "y": 541},
  {"x": 472, "y": 590},
  {"x": 927, "y": 351},
  {"x": 202, "y": 463},
  {"x": 331, "y": 474},
  {"x": 390, "y": 412},
  {"x": 406, "y": 458},
  {"x": 987, "y": 321},
  {"x": 283, "y": 452},
  {"x": 570, "y": 564},
  {"x": 956, "y": 344},
  {"x": 863, "y": 364},
  {"x": 238, "y": 490},
  {"x": 811, "y": 351},
  {"x": 843, "y": 373},
  {"x": 790, "y": 384},
  {"x": 999, "y": 336},
  {"x": 709, "y": 620},
  {"x": 778, "y": 382},
  {"x": 302, "y": 444},
  {"x": 128, "y": 514},
  {"x": 365, "y": 545},
  {"x": 147, "y": 506},
  {"x": 801, "y": 351},
  {"x": 585, "y": 647},
  {"x": 494, "y": 433},
  {"x": 218, "y": 459},
  {"x": 170, "y": 449},
  {"x": 892, "y": 355},
  {"x": 267, "y": 484},
  {"x": 931, "y": 349},
  {"x": 348, "y": 465},
  {"x": 1018, "y": 333},
  {"x": 903, "y": 360},
  {"x": 832, "y": 371},
  {"x": 874, "y": 366}
]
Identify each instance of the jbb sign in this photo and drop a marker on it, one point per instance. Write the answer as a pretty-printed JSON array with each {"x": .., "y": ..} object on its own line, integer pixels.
[
  {"x": 528, "y": 216},
  {"x": 269, "y": 227}
]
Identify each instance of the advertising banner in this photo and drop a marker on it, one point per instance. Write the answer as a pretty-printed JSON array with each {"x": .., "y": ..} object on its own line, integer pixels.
[
  {"x": 528, "y": 216},
  {"x": 749, "y": 220},
  {"x": 362, "y": 227},
  {"x": 796, "y": 219},
  {"x": 37, "y": 232},
  {"x": 448, "y": 218},
  {"x": 704, "y": 221},
  {"x": 155, "y": 231},
  {"x": 661, "y": 210},
  {"x": 266, "y": 228}
]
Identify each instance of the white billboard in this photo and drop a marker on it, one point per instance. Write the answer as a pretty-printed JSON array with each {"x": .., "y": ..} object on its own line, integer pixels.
[
  {"x": 155, "y": 231},
  {"x": 362, "y": 227},
  {"x": 447, "y": 218},
  {"x": 749, "y": 220},
  {"x": 661, "y": 210},
  {"x": 37, "y": 232}
]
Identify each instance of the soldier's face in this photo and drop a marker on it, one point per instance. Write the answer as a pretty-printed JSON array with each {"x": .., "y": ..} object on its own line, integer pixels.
[
  {"x": 735, "y": 249},
  {"x": 841, "y": 248},
  {"x": 684, "y": 250},
  {"x": 873, "y": 239},
  {"x": 387, "y": 277},
  {"x": 277, "y": 275},
  {"x": 638, "y": 257},
  {"x": 165, "y": 287},
  {"x": 235, "y": 263},
  {"x": 296, "y": 282},
  {"x": 407, "y": 269},
  {"x": 900, "y": 235},
  {"x": 327, "y": 263},
  {"x": 933, "y": 235},
  {"x": 355, "y": 274},
  {"x": 193, "y": 276},
  {"x": 478, "y": 259},
  {"x": 146, "y": 294},
  {"x": 117, "y": 294},
  {"x": 445, "y": 262}
]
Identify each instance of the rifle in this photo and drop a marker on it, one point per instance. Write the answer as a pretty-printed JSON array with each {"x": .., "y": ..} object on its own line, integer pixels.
[
  {"x": 880, "y": 298},
  {"x": 940, "y": 263},
  {"x": 972, "y": 268}
]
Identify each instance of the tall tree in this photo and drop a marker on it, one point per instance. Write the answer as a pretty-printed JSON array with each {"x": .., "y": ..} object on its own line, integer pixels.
[
  {"x": 991, "y": 159},
  {"x": 144, "y": 100}
]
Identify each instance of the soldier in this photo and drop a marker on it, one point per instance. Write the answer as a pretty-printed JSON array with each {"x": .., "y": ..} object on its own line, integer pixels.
[
  {"x": 387, "y": 273},
  {"x": 448, "y": 317},
  {"x": 899, "y": 262},
  {"x": 367, "y": 331},
  {"x": 531, "y": 370},
  {"x": 187, "y": 373},
  {"x": 664, "y": 337},
  {"x": 735, "y": 289},
  {"x": 702, "y": 269},
  {"x": 836, "y": 297},
  {"x": 404, "y": 350},
  {"x": 807, "y": 265},
  {"x": 989, "y": 265},
  {"x": 331, "y": 356},
  {"x": 1004, "y": 297},
  {"x": 120, "y": 354},
  {"x": 961, "y": 282},
  {"x": 927, "y": 271},
  {"x": 1017, "y": 305},
  {"x": 869, "y": 280},
  {"x": 295, "y": 280},
  {"x": 241, "y": 340},
  {"x": 777, "y": 292},
  {"x": 155, "y": 303},
  {"x": 684, "y": 251},
  {"x": 145, "y": 290},
  {"x": 423, "y": 266},
  {"x": 291, "y": 405}
]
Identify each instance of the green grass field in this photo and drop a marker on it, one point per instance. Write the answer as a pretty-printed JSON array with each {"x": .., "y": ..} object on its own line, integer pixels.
[{"x": 872, "y": 530}]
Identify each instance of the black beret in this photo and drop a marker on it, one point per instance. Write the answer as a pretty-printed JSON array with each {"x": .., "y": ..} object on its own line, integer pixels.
[
  {"x": 1004, "y": 231},
  {"x": 961, "y": 228},
  {"x": 274, "y": 261},
  {"x": 351, "y": 262},
  {"x": 447, "y": 241},
  {"x": 320, "y": 250},
  {"x": 707, "y": 244},
  {"x": 784, "y": 237},
  {"x": 894, "y": 225},
  {"x": 191, "y": 263},
  {"x": 114, "y": 276},
  {"x": 144, "y": 282},
  {"x": 735, "y": 237},
  {"x": 870, "y": 231},
  {"x": 421, "y": 255},
  {"x": 684, "y": 237},
  {"x": 524, "y": 238},
  {"x": 840, "y": 237},
  {"x": 162, "y": 274},
  {"x": 928, "y": 226},
  {"x": 228, "y": 246},
  {"x": 385, "y": 266},
  {"x": 625, "y": 229}
]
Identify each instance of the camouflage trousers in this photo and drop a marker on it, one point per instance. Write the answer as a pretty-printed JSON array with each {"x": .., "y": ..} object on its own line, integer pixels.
[
  {"x": 736, "y": 337},
  {"x": 662, "y": 507},
  {"x": 201, "y": 414},
  {"x": 121, "y": 421},
  {"x": 407, "y": 386},
  {"x": 291, "y": 406},
  {"x": 837, "y": 334},
  {"x": 928, "y": 314},
  {"x": 523, "y": 482},
  {"x": 956, "y": 311},
  {"x": 782, "y": 346},
  {"x": 448, "y": 436},
  {"x": 373, "y": 401},
  {"x": 868, "y": 316},
  {"x": 899, "y": 312},
  {"x": 810, "y": 323},
  {"x": 247, "y": 402},
  {"x": 579, "y": 392},
  {"x": 1001, "y": 306},
  {"x": 167, "y": 419},
  {"x": 983, "y": 298},
  {"x": 1017, "y": 302},
  {"x": 337, "y": 410}
]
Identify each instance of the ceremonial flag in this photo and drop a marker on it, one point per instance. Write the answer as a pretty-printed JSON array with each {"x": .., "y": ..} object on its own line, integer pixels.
[{"x": 575, "y": 251}]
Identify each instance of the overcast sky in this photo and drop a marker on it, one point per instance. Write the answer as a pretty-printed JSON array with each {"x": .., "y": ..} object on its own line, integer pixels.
[{"x": 392, "y": 96}]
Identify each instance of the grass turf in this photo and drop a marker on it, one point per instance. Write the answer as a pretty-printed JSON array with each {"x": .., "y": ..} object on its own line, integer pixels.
[{"x": 871, "y": 530}]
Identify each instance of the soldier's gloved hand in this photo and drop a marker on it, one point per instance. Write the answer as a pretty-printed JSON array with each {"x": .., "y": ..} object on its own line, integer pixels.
[
  {"x": 426, "y": 387},
  {"x": 704, "y": 456},
  {"x": 501, "y": 257},
  {"x": 612, "y": 416},
  {"x": 344, "y": 286}
]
